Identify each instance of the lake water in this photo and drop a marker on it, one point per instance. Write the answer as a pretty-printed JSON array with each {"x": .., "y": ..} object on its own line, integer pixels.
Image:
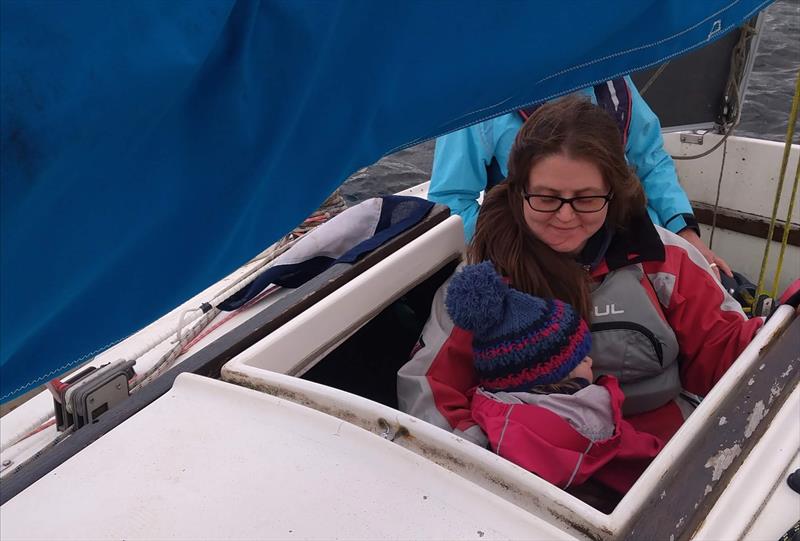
[{"x": 765, "y": 110}]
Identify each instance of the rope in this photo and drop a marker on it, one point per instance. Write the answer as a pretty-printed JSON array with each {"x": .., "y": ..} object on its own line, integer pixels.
[
  {"x": 167, "y": 360},
  {"x": 55, "y": 441},
  {"x": 190, "y": 327},
  {"x": 332, "y": 206},
  {"x": 255, "y": 300},
  {"x": 732, "y": 92},
  {"x": 716, "y": 201},
  {"x": 707, "y": 152},
  {"x": 181, "y": 321},
  {"x": 26, "y": 432},
  {"x": 786, "y": 227},
  {"x": 787, "y": 147},
  {"x": 653, "y": 78}
]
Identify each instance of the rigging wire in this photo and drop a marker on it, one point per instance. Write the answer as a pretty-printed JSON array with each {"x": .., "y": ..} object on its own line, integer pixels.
[
  {"x": 786, "y": 228},
  {"x": 653, "y": 78},
  {"x": 787, "y": 147}
]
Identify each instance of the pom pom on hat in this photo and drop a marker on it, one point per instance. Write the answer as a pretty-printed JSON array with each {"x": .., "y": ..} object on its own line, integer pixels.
[
  {"x": 519, "y": 341},
  {"x": 476, "y": 298}
]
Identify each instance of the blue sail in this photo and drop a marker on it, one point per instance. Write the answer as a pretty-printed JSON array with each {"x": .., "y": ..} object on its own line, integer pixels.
[{"x": 149, "y": 148}]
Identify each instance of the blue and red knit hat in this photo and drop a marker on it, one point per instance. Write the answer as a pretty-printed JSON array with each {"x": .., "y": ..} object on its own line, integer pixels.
[{"x": 519, "y": 341}]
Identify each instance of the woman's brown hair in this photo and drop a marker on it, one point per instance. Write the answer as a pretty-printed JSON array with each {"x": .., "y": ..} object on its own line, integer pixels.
[{"x": 572, "y": 126}]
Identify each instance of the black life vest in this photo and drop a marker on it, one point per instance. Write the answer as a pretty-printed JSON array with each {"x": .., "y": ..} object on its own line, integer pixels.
[{"x": 613, "y": 96}]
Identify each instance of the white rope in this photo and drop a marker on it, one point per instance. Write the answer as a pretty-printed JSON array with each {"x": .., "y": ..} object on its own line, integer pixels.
[
  {"x": 22, "y": 434},
  {"x": 167, "y": 360},
  {"x": 181, "y": 321},
  {"x": 190, "y": 326},
  {"x": 331, "y": 207},
  {"x": 240, "y": 283},
  {"x": 55, "y": 441}
]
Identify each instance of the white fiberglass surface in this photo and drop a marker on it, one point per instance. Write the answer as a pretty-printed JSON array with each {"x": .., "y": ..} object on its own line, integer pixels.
[
  {"x": 155, "y": 339},
  {"x": 748, "y": 184},
  {"x": 744, "y": 254},
  {"x": 749, "y": 178},
  {"x": 210, "y": 460},
  {"x": 478, "y": 465}
]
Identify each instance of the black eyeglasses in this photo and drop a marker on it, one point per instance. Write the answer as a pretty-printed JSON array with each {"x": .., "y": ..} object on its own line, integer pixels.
[{"x": 552, "y": 203}]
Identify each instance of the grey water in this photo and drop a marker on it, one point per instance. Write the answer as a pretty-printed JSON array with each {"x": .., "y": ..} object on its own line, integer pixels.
[{"x": 765, "y": 110}]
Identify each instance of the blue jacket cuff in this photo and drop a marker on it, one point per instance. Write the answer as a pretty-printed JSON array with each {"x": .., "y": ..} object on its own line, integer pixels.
[{"x": 679, "y": 222}]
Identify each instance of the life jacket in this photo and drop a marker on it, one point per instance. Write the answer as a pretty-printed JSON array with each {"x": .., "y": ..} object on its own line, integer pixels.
[
  {"x": 632, "y": 341},
  {"x": 613, "y": 96}
]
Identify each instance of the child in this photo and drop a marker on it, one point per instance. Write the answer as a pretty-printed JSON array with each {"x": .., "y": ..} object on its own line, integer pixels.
[{"x": 536, "y": 401}]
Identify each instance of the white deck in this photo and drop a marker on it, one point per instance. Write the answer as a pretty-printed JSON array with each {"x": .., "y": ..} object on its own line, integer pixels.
[{"x": 211, "y": 460}]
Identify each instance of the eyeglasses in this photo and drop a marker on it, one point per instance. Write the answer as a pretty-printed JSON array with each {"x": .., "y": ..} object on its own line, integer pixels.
[{"x": 552, "y": 203}]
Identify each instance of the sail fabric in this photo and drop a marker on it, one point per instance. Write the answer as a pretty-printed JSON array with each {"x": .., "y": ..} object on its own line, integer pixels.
[
  {"x": 345, "y": 238},
  {"x": 149, "y": 148}
]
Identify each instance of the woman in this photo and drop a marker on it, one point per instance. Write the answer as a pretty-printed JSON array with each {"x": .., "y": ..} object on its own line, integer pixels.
[{"x": 570, "y": 222}]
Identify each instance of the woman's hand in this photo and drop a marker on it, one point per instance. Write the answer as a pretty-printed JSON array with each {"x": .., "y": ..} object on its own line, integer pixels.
[{"x": 717, "y": 263}]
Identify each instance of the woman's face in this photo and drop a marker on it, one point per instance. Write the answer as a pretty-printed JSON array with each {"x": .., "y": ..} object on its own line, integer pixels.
[{"x": 565, "y": 231}]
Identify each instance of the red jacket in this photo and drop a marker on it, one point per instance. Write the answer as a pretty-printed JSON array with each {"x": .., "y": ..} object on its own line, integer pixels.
[
  {"x": 541, "y": 440},
  {"x": 438, "y": 383}
]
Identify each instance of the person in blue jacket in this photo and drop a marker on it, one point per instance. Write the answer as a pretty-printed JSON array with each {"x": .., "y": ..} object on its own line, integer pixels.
[{"x": 465, "y": 162}]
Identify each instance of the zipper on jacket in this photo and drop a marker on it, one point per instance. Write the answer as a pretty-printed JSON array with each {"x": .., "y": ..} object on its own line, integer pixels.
[{"x": 628, "y": 325}]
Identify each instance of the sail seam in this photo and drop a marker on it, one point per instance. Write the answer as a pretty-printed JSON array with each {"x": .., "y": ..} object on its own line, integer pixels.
[{"x": 574, "y": 88}]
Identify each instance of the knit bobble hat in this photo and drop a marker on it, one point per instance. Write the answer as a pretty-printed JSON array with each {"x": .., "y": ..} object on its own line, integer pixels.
[{"x": 519, "y": 341}]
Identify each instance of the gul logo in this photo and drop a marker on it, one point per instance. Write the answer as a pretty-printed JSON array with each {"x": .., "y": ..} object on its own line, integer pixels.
[{"x": 608, "y": 309}]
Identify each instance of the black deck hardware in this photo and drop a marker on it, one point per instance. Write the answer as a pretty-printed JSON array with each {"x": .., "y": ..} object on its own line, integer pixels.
[{"x": 82, "y": 398}]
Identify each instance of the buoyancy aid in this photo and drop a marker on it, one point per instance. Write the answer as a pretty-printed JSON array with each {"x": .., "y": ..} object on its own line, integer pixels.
[
  {"x": 613, "y": 96},
  {"x": 633, "y": 341}
]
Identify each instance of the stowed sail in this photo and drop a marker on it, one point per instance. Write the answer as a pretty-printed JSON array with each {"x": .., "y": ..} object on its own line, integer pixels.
[{"x": 148, "y": 151}]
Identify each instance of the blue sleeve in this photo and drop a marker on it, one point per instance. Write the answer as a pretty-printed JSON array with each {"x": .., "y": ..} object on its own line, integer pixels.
[
  {"x": 459, "y": 173},
  {"x": 667, "y": 202}
]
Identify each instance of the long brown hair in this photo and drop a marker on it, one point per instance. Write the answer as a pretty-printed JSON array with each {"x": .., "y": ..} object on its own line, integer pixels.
[{"x": 576, "y": 128}]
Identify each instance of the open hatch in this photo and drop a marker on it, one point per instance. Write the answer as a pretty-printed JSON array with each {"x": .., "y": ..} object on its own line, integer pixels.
[{"x": 348, "y": 371}]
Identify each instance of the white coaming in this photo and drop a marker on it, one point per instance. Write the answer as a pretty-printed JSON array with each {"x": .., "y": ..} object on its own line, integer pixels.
[{"x": 322, "y": 327}]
